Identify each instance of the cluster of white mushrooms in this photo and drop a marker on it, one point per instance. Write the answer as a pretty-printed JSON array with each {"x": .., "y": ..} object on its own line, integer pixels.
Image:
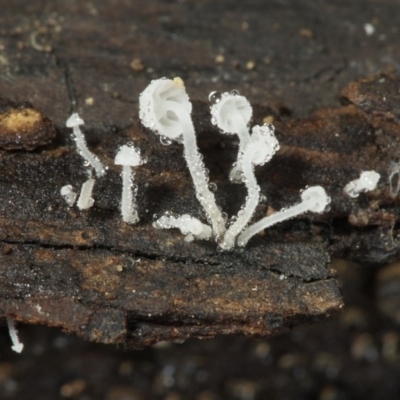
[{"x": 165, "y": 109}]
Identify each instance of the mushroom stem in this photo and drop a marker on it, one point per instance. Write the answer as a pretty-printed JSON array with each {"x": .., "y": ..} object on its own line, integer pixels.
[
  {"x": 128, "y": 209},
  {"x": 197, "y": 171},
  {"x": 252, "y": 198},
  {"x": 73, "y": 122},
  {"x": 85, "y": 200},
  {"x": 313, "y": 199},
  {"x": 17, "y": 345}
]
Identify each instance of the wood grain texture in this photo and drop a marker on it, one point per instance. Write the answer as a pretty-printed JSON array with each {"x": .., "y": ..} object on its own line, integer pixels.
[{"x": 59, "y": 266}]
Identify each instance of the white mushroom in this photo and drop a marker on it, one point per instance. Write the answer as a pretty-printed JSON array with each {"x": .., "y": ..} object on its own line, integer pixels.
[
  {"x": 232, "y": 114},
  {"x": 365, "y": 183},
  {"x": 128, "y": 156},
  {"x": 165, "y": 108},
  {"x": 260, "y": 149},
  {"x": 74, "y": 121},
  {"x": 313, "y": 199}
]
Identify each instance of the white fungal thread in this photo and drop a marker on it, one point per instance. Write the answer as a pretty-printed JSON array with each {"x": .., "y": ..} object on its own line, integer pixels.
[
  {"x": 17, "y": 345},
  {"x": 74, "y": 121},
  {"x": 86, "y": 200},
  {"x": 189, "y": 226},
  {"x": 69, "y": 195},
  {"x": 313, "y": 199},
  {"x": 128, "y": 157},
  {"x": 367, "y": 182},
  {"x": 165, "y": 108}
]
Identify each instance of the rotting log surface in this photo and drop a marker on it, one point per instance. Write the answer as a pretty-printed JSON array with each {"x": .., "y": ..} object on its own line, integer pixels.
[{"x": 60, "y": 267}]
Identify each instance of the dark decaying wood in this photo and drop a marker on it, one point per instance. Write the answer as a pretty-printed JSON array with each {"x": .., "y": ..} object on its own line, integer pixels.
[{"x": 91, "y": 274}]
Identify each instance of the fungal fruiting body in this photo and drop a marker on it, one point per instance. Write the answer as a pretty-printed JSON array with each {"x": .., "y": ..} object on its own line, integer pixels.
[
  {"x": 17, "y": 345},
  {"x": 232, "y": 114},
  {"x": 69, "y": 194},
  {"x": 74, "y": 121},
  {"x": 365, "y": 183},
  {"x": 86, "y": 200},
  {"x": 313, "y": 199},
  {"x": 191, "y": 227},
  {"x": 261, "y": 147},
  {"x": 165, "y": 108},
  {"x": 128, "y": 157}
]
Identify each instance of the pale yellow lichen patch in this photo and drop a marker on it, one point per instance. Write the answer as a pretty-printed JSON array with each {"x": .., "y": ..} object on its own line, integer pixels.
[{"x": 20, "y": 120}]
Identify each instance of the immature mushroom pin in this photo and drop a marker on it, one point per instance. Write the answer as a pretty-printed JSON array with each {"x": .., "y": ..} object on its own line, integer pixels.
[
  {"x": 365, "y": 183},
  {"x": 128, "y": 157}
]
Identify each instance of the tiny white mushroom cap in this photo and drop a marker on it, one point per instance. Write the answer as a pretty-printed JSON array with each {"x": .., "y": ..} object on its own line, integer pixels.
[
  {"x": 161, "y": 106},
  {"x": 318, "y": 198},
  {"x": 74, "y": 120},
  {"x": 228, "y": 109},
  {"x": 128, "y": 155},
  {"x": 369, "y": 180},
  {"x": 267, "y": 144}
]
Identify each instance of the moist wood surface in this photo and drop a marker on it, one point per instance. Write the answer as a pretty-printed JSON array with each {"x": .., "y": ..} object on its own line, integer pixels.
[{"x": 62, "y": 267}]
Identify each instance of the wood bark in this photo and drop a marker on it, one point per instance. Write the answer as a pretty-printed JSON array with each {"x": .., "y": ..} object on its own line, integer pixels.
[{"x": 91, "y": 274}]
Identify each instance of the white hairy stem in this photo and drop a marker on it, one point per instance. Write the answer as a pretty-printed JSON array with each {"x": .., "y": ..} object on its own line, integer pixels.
[
  {"x": 90, "y": 158},
  {"x": 314, "y": 199},
  {"x": 244, "y": 139},
  {"x": 197, "y": 171},
  {"x": 85, "y": 200},
  {"x": 252, "y": 199},
  {"x": 128, "y": 210},
  {"x": 17, "y": 345}
]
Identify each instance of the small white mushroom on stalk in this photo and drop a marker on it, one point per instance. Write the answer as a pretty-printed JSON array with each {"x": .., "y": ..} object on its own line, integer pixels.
[
  {"x": 365, "y": 183},
  {"x": 128, "y": 156},
  {"x": 74, "y": 121},
  {"x": 232, "y": 113},
  {"x": 165, "y": 108},
  {"x": 314, "y": 199},
  {"x": 261, "y": 147},
  {"x": 188, "y": 225},
  {"x": 17, "y": 345}
]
